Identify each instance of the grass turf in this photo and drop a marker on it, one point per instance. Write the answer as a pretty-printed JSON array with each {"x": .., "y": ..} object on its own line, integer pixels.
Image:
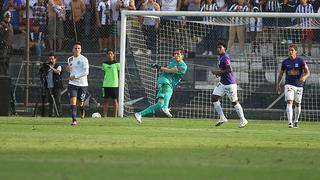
[{"x": 48, "y": 148}]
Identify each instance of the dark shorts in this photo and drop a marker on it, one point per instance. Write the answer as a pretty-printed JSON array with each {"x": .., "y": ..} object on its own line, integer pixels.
[
  {"x": 104, "y": 31},
  {"x": 110, "y": 92},
  {"x": 77, "y": 91}
]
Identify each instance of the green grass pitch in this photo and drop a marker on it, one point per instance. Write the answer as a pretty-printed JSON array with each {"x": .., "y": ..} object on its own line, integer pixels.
[{"x": 49, "y": 148}]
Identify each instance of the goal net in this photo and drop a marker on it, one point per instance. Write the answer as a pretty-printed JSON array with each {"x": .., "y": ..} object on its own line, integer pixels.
[{"x": 257, "y": 44}]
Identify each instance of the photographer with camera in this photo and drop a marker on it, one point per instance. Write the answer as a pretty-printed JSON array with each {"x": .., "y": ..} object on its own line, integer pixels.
[{"x": 52, "y": 81}]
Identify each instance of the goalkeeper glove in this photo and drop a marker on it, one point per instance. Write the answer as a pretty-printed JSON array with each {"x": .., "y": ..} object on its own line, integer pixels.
[{"x": 156, "y": 66}]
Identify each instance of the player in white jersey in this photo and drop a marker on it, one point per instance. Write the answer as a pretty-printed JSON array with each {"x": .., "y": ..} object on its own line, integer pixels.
[{"x": 78, "y": 67}]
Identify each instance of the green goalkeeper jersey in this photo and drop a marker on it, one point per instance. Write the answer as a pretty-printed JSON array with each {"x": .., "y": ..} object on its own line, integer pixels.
[
  {"x": 111, "y": 77},
  {"x": 173, "y": 79}
]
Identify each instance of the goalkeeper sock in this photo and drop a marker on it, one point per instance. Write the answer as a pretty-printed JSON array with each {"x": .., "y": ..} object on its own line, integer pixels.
[
  {"x": 166, "y": 103},
  {"x": 239, "y": 111},
  {"x": 297, "y": 111},
  {"x": 73, "y": 112},
  {"x": 289, "y": 113},
  {"x": 218, "y": 108},
  {"x": 151, "y": 109}
]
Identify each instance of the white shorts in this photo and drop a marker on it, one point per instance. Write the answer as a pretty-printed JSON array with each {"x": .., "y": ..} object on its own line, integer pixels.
[
  {"x": 229, "y": 90},
  {"x": 293, "y": 93}
]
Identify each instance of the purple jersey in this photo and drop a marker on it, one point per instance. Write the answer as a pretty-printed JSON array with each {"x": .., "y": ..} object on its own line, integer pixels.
[
  {"x": 294, "y": 70},
  {"x": 224, "y": 63}
]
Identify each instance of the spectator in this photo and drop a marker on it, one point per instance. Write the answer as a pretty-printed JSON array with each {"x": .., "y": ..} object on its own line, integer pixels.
[
  {"x": 78, "y": 10},
  {"x": 167, "y": 26},
  {"x": 88, "y": 17},
  {"x": 37, "y": 40},
  {"x": 56, "y": 16},
  {"x": 14, "y": 7},
  {"x": 115, "y": 25},
  {"x": 288, "y": 6},
  {"x": 40, "y": 14},
  {"x": 221, "y": 32},
  {"x": 254, "y": 28},
  {"x": 125, "y": 4},
  {"x": 119, "y": 6},
  {"x": 306, "y": 23},
  {"x": 239, "y": 27},
  {"x": 24, "y": 11},
  {"x": 110, "y": 85},
  {"x": 67, "y": 24},
  {"x": 6, "y": 36},
  {"x": 270, "y": 24},
  {"x": 193, "y": 5},
  {"x": 150, "y": 25},
  {"x": 208, "y": 40},
  {"x": 104, "y": 22}
]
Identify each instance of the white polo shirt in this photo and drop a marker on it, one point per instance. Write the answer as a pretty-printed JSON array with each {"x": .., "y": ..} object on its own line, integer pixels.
[{"x": 80, "y": 69}]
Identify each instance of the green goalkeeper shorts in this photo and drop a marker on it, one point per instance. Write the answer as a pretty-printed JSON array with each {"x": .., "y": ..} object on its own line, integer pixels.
[{"x": 165, "y": 91}]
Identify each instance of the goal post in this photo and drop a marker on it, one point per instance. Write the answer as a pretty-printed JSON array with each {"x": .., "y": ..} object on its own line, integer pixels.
[{"x": 256, "y": 73}]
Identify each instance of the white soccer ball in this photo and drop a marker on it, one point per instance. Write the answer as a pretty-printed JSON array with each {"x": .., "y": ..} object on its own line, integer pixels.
[{"x": 96, "y": 115}]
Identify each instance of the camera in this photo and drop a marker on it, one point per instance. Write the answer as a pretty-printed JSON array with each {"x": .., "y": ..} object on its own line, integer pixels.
[
  {"x": 45, "y": 67},
  {"x": 43, "y": 71}
]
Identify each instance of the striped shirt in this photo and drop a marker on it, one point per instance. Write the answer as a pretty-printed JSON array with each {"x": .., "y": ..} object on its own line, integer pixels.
[
  {"x": 104, "y": 12},
  {"x": 305, "y": 22},
  {"x": 238, "y": 8},
  {"x": 40, "y": 13},
  {"x": 273, "y": 6},
  {"x": 209, "y": 8}
]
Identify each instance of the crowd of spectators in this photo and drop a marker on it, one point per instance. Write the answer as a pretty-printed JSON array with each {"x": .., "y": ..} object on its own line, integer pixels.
[{"x": 82, "y": 20}]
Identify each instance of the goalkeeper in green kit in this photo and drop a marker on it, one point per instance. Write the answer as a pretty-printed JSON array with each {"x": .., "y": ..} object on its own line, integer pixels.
[{"x": 170, "y": 77}]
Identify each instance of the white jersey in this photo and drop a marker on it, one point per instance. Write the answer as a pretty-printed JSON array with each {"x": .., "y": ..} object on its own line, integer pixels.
[{"x": 79, "y": 67}]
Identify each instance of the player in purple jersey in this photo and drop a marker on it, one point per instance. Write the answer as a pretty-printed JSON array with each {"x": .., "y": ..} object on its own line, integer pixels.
[
  {"x": 226, "y": 86},
  {"x": 297, "y": 72}
]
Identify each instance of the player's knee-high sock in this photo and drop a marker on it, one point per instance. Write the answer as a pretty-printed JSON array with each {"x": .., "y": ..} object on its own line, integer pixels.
[
  {"x": 166, "y": 102},
  {"x": 81, "y": 109},
  {"x": 73, "y": 112},
  {"x": 297, "y": 111},
  {"x": 289, "y": 113},
  {"x": 167, "y": 97},
  {"x": 218, "y": 108},
  {"x": 239, "y": 111},
  {"x": 151, "y": 109}
]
